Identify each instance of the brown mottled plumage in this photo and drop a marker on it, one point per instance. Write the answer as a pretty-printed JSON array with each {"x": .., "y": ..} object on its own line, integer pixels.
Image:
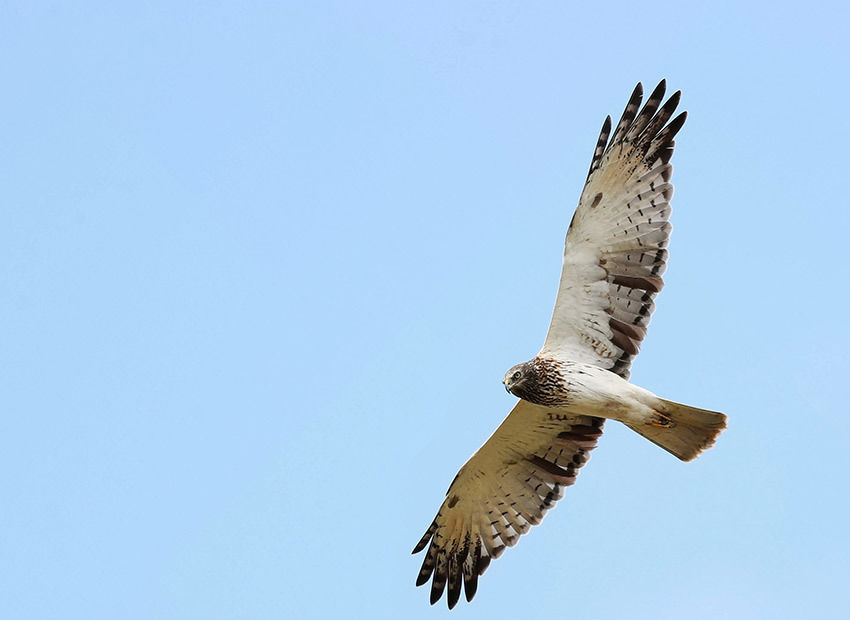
[{"x": 539, "y": 381}]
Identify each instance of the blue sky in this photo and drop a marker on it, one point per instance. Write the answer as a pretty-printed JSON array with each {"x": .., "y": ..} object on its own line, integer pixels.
[{"x": 263, "y": 265}]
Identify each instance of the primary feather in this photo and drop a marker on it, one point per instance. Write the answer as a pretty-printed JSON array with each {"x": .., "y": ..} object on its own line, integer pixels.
[{"x": 615, "y": 254}]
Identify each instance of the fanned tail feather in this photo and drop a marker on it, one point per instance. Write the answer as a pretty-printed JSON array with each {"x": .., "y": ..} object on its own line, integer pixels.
[{"x": 690, "y": 430}]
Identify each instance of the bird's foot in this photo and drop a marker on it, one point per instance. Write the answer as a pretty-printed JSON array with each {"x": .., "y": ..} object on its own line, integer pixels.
[{"x": 661, "y": 420}]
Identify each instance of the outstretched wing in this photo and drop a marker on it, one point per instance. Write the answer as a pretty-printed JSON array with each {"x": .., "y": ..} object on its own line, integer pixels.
[
  {"x": 615, "y": 248},
  {"x": 505, "y": 488}
]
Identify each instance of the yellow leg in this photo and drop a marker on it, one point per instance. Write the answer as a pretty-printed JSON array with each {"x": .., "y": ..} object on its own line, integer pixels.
[{"x": 661, "y": 421}]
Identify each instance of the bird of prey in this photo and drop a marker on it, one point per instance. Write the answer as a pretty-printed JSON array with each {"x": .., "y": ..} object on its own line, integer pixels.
[{"x": 613, "y": 262}]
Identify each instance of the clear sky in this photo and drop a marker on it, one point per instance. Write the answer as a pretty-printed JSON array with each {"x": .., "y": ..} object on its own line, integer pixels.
[{"x": 263, "y": 266}]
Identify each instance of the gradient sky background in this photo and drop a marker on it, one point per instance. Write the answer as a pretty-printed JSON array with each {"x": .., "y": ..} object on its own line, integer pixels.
[{"x": 262, "y": 268}]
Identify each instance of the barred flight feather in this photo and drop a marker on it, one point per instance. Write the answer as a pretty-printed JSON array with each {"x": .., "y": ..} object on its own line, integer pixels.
[
  {"x": 621, "y": 225},
  {"x": 504, "y": 489}
]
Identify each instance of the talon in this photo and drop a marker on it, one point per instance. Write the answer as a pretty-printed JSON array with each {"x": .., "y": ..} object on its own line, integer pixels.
[{"x": 661, "y": 421}]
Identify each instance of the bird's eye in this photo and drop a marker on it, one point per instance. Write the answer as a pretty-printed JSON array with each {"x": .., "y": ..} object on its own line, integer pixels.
[{"x": 517, "y": 375}]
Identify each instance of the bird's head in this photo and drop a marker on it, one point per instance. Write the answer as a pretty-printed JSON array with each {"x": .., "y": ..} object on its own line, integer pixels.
[{"x": 517, "y": 376}]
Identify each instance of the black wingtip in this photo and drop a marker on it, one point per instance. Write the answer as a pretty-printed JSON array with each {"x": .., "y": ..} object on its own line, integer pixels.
[
  {"x": 601, "y": 143},
  {"x": 673, "y": 101},
  {"x": 674, "y": 126},
  {"x": 454, "y": 587},
  {"x": 426, "y": 538},
  {"x": 656, "y": 95},
  {"x": 470, "y": 587},
  {"x": 638, "y": 91},
  {"x": 436, "y": 591}
]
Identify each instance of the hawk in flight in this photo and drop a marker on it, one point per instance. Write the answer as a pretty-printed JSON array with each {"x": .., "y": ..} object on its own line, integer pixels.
[{"x": 613, "y": 262}]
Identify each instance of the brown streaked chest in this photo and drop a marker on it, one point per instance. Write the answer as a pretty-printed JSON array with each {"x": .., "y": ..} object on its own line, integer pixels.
[{"x": 545, "y": 385}]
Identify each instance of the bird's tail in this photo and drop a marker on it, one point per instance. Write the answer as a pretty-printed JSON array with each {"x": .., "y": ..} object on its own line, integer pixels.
[{"x": 682, "y": 430}]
